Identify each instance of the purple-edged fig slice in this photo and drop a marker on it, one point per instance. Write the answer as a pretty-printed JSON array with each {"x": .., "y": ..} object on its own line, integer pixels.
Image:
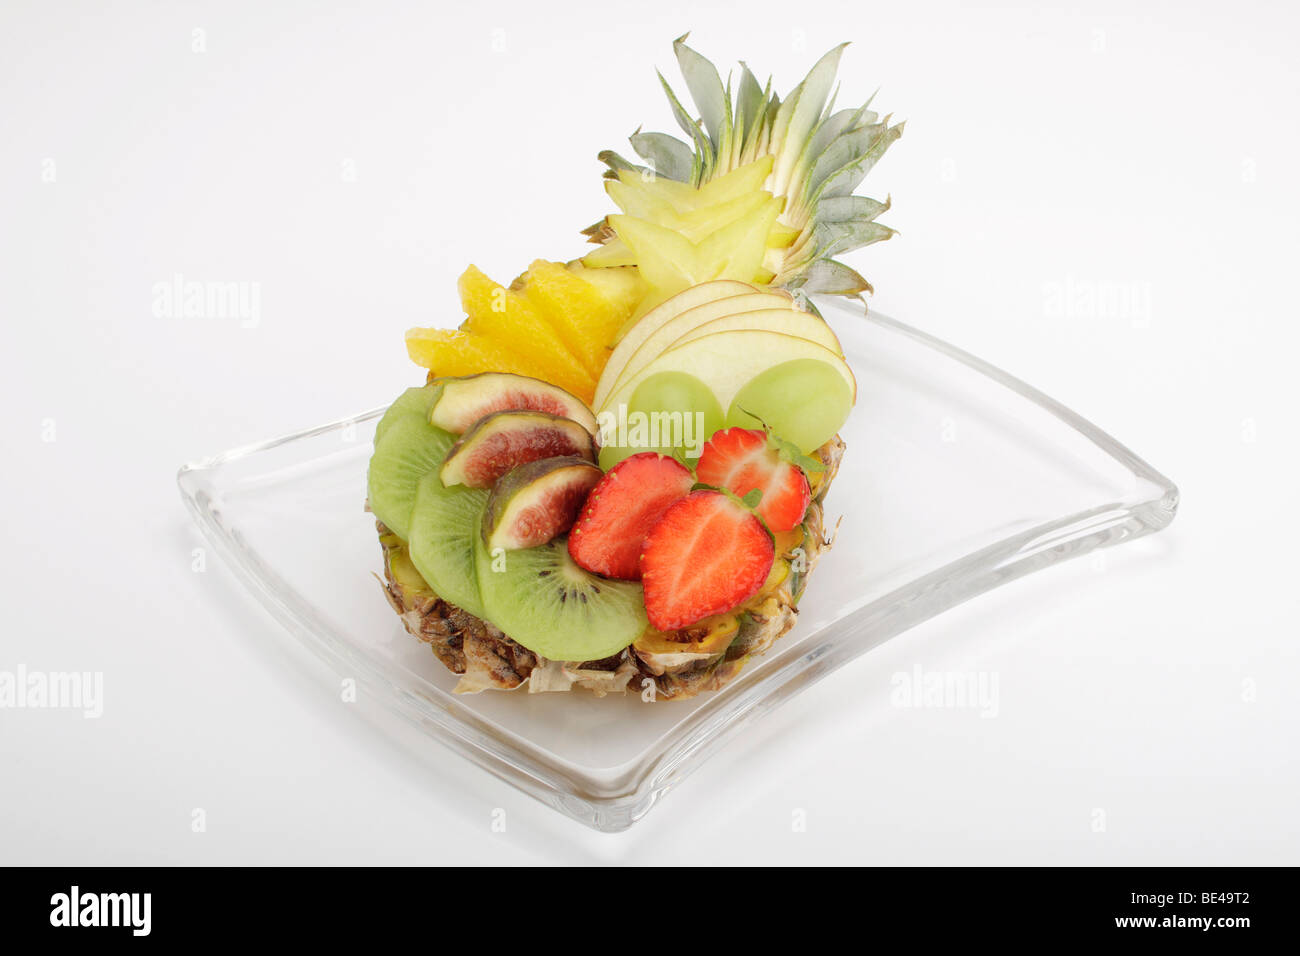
[
  {"x": 465, "y": 401},
  {"x": 506, "y": 440},
  {"x": 537, "y": 502}
]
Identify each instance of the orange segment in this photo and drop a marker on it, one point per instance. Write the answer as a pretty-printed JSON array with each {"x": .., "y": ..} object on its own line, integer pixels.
[{"x": 507, "y": 318}]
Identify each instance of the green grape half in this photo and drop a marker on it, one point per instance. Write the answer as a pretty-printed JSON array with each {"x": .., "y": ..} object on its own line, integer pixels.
[
  {"x": 803, "y": 401},
  {"x": 669, "y": 411}
]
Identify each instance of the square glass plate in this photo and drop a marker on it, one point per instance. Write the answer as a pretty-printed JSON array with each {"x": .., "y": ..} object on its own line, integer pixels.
[{"x": 957, "y": 478}]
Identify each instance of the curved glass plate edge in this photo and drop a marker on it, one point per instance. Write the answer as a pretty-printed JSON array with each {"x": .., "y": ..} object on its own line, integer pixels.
[
  {"x": 871, "y": 625},
  {"x": 466, "y": 733},
  {"x": 1102, "y": 439},
  {"x": 721, "y": 718}
]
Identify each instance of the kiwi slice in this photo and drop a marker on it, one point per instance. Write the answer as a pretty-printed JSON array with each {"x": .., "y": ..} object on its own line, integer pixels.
[
  {"x": 543, "y": 600},
  {"x": 412, "y": 403},
  {"x": 409, "y": 449},
  {"x": 445, "y": 534}
]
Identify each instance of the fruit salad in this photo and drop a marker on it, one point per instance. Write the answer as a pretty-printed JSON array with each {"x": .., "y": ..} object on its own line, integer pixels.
[{"x": 613, "y": 476}]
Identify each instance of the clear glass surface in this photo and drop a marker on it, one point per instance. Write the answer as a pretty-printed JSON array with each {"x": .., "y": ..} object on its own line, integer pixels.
[{"x": 957, "y": 478}]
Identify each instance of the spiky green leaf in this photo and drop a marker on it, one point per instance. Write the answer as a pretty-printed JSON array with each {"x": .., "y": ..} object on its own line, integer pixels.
[
  {"x": 847, "y": 178},
  {"x": 833, "y": 278},
  {"x": 845, "y": 208},
  {"x": 835, "y": 238},
  {"x": 706, "y": 90},
  {"x": 749, "y": 105},
  {"x": 837, "y": 124},
  {"x": 802, "y": 112},
  {"x": 667, "y": 155},
  {"x": 703, "y": 161},
  {"x": 615, "y": 162}
]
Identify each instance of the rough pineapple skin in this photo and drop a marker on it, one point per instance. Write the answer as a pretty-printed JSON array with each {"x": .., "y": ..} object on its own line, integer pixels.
[{"x": 487, "y": 659}]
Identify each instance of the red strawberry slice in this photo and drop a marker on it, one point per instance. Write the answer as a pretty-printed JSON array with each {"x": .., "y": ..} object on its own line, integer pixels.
[
  {"x": 620, "y": 511},
  {"x": 707, "y": 554},
  {"x": 742, "y": 459}
]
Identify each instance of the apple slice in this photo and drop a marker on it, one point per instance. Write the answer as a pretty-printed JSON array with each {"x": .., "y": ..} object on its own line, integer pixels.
[
  {"x": 726, "y": 361},
  {"x": 787, "y": 320},
  {"x": 671, "y": 329},
  {"x": 666, "y": 310}
]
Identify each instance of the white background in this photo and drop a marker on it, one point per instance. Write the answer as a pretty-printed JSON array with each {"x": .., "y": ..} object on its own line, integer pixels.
[{"x": 1147, "y": 150}]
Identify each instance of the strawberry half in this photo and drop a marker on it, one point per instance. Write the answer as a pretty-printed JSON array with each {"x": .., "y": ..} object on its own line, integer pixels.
[
  {"x": 707, "y": 554},
  {"x": 621, "y": 510},
  {"x": 740, "y": 460}
]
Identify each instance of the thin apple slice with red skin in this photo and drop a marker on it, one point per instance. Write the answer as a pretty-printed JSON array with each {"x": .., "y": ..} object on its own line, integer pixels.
[
  {"x": 537, "y": 502},
  {"x": 505, "y": 440},
  {"x": 462, "y": 402}
]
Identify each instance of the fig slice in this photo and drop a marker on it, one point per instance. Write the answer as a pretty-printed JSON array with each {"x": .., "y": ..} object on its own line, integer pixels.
[
  {"x": 465, "y": 401},
  {"x": 537, "y": 502},
  {"x": 505, "y": 440}
]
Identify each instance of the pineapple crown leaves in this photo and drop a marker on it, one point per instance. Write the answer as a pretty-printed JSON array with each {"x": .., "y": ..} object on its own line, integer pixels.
[{"x": 821, "y": 155}]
